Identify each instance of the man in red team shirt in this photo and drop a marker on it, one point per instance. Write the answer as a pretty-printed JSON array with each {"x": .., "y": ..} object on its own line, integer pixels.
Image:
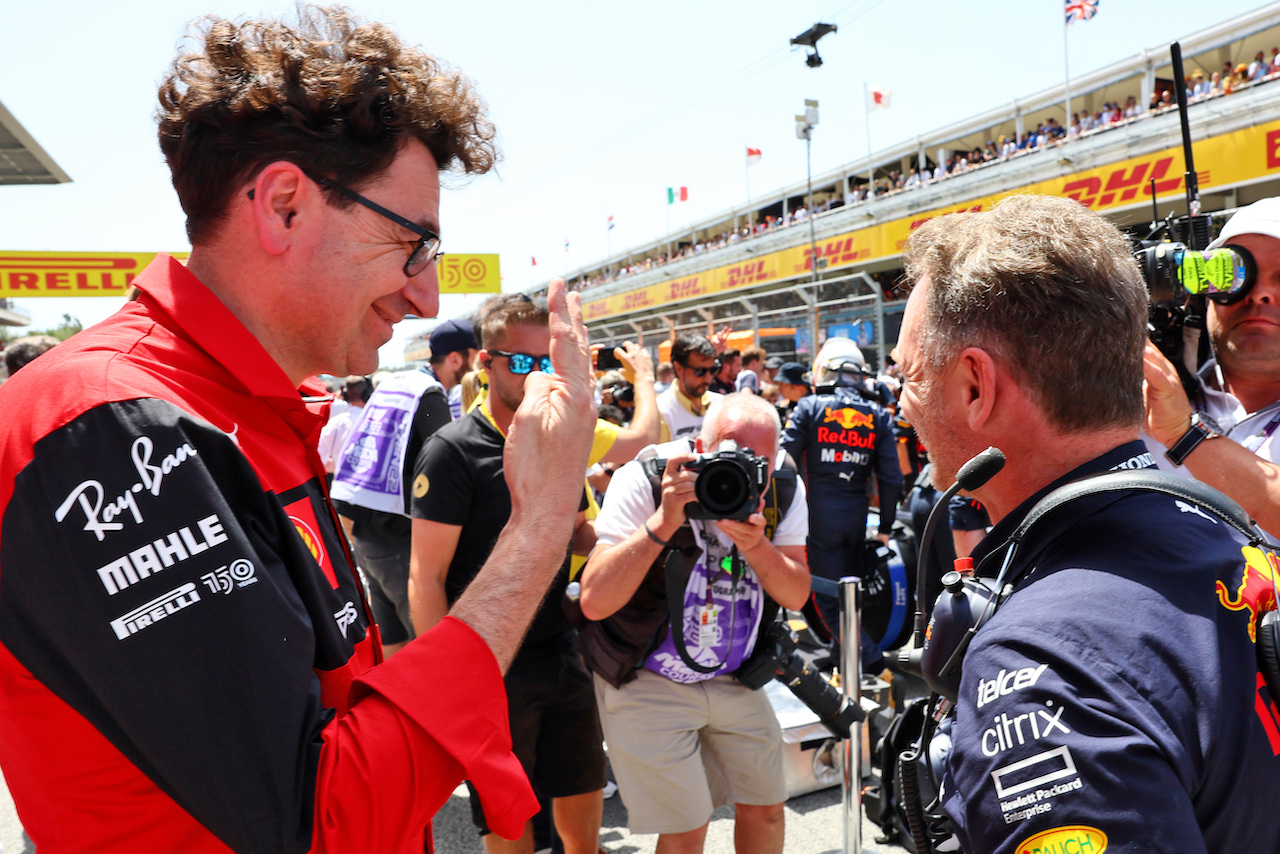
[{"x": 187, "y": 662}]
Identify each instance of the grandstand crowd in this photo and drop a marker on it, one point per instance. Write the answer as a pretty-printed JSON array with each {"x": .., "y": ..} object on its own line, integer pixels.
[{"x": 1047, "y": 134}]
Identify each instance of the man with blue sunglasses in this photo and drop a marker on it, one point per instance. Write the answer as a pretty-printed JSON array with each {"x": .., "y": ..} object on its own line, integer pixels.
[{"x": 460, "y": 505}]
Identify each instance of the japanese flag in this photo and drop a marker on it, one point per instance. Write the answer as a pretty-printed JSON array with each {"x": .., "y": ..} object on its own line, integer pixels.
[{"x": 878, "y": 99}]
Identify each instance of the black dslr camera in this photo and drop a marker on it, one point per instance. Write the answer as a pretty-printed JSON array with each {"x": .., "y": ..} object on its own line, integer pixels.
[{"x": 729, "y": 484}]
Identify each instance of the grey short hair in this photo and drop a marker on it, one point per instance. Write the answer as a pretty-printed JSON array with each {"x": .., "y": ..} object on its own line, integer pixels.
[
  {"x": 750, "y": 408},
  {"x": 1050, "y": 289}
]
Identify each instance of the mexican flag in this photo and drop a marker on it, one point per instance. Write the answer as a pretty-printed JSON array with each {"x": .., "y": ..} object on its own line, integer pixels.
[{"x": 677, "y": 194}]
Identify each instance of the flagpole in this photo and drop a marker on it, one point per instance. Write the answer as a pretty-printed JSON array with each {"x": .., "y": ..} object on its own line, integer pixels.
[
  {"x": 668, "y": 223},
  {"x": 1066, "y": 68},
  {"x": 608, "y": 249},
  {"x": 871, "y": 166}
]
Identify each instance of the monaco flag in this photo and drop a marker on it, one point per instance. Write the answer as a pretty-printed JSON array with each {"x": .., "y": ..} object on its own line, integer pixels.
[
  {"x": 753, "y": 156},
  {"x": 878, "y": 99}
]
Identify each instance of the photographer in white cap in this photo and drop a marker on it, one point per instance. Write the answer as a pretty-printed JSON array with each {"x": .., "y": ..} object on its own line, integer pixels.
[{"x": 1227, "y": 438}]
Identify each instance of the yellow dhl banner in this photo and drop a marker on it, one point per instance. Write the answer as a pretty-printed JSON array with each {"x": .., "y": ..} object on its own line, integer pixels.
[
  {"x": 470, "y": 274},
  {"x": 1224, "y": 160},
  {"x": 71, "y": 274}
]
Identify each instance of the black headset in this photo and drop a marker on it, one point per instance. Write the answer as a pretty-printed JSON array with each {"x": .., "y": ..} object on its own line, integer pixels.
[
  {"x": 938, "y": 657},
  {"x": 941, "y": 666}
]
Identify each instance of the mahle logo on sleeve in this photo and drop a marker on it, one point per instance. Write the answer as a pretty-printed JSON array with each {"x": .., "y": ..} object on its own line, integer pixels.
[{"x": 1073, "y": 839}]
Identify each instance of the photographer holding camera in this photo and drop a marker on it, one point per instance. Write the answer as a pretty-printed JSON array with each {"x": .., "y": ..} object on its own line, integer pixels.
[
  {"x": 684, "y": 740},
  {"x": 1113, "y": 700},
  {"x": 1239, "y": 388}
]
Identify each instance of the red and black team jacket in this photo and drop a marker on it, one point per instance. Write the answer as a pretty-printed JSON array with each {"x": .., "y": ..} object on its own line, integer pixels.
[{"x": 186, "y": 659}]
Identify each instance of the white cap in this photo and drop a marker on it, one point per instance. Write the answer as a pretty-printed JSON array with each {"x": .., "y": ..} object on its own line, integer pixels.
[{"x": 1261, "y": 217}]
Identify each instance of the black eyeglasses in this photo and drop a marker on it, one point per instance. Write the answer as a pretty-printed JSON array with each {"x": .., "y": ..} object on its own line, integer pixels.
[
  {"x": 425, "y": 251},
  {"x": 702, "y": 372},
  {"x": 522, "y": 363}
]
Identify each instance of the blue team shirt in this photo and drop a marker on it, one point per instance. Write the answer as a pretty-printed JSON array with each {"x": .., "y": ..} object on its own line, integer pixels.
[{"x": 1115, "y": 701}]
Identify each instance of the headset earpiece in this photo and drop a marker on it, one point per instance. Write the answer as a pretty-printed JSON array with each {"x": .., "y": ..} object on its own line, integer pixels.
[{"x": 1269, "y": 651}]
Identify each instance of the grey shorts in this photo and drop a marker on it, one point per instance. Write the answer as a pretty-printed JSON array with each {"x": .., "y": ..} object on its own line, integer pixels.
[{"x": 680, "y": 751}]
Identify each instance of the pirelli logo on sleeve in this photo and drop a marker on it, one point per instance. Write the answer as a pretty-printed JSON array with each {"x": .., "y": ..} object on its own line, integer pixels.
[{"x": 154, "y": 611}]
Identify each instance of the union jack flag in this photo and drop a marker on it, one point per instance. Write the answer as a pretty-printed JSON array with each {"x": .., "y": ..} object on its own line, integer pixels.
[{"x": 1081, "y": 10}]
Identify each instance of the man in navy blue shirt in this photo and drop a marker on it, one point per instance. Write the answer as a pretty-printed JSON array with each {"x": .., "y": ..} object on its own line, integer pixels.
[
  {"x": 1114, "y": 701},
  {"x": 840, "y": 438}
]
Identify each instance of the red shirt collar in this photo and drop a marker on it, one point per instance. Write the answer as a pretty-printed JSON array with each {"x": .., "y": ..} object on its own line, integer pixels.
[{"x": 199, "y": 314}]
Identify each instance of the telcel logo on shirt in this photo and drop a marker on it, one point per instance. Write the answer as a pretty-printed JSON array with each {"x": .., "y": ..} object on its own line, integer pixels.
[
  {"x": 1075, "y": 839},
  {"x": 1006, "y": 682}
]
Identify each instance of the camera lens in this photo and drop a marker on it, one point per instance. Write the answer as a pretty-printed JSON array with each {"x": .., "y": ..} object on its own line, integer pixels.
[{"x": 722, "y": 488}]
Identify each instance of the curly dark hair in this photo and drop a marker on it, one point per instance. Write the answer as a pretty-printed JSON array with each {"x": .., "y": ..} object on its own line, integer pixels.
[{"x": 334, "y": 94}]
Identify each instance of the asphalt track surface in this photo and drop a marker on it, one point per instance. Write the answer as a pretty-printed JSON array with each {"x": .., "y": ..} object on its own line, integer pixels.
[{"x": 813, "y": 827}]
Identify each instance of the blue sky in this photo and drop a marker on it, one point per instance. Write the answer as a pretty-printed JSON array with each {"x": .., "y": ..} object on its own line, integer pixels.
[{"x": 600, "y": 106}]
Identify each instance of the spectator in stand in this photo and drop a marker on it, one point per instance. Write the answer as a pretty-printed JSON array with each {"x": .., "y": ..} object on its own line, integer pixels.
[
  {"x": 1131, "y": 108},
  {"x": 913, "y": 179},
  {"x": 730, "y": 365},
  {"x": 1008, "y": 148},
  {"x": 749, "y": 377},
  {"x": 1258, "y": 68},
  {"x": 1274, "y": 64},
  {"x": 1199, "y": 86},
  {"x": 1215, "y": 84},
  {"x": 1238, "y": 78}
]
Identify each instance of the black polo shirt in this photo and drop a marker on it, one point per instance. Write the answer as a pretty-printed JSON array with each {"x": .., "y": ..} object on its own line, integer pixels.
[{"x": 464, "y": 485}]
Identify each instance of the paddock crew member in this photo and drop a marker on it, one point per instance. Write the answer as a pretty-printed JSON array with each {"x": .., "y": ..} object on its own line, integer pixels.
[
  {"x": 840, "y": 439},
  {"x": 184, "y": 647},
  {"x": 1114, "y": 701}
]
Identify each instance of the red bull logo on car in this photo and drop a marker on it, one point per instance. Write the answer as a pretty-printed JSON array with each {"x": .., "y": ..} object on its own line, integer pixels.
[{"x": 1256, "y": 592}]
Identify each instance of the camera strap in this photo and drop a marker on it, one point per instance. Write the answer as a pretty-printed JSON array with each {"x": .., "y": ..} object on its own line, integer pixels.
[{"x": 676, "y": 568}]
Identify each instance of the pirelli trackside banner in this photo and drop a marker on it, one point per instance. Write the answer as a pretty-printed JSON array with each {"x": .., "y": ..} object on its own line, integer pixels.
[
  {"x": 104, "y": 274},
  {"x": 71, "y": 274},
  {"x": 1228, "y": 159}
]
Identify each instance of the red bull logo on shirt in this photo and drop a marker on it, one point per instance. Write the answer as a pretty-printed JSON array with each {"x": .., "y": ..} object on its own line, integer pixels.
[
  {"x": 1256, "y": 592},
  {"x": 848, "y": 418}
]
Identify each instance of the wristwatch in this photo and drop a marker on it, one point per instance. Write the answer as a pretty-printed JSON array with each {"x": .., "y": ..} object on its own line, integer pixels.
[{"x": 1202, "y": 427}]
